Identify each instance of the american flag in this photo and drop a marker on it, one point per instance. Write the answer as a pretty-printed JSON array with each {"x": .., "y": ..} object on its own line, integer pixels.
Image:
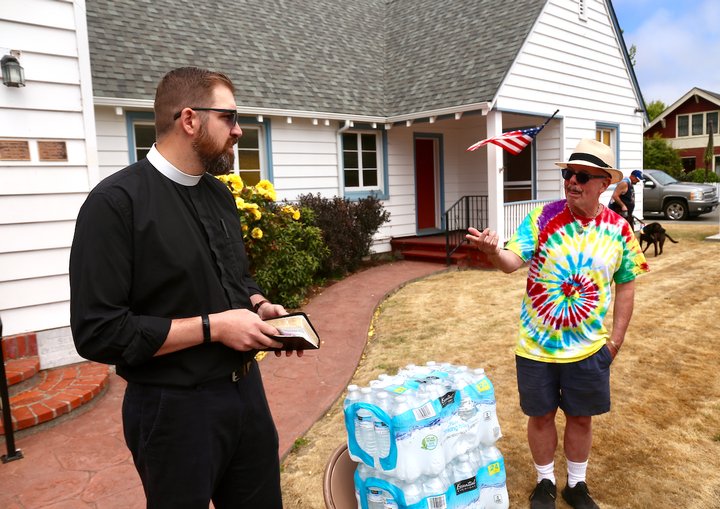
[{"x": 512, "y": 141}]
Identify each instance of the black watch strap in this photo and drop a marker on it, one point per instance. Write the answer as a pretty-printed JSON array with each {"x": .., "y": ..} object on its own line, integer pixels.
[{"x": 206, "y": 328}]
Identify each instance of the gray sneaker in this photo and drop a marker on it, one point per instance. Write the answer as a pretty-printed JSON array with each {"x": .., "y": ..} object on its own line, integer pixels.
[
  {"x": 543, "y": 496},
  {"x": 579, "y": 497}
]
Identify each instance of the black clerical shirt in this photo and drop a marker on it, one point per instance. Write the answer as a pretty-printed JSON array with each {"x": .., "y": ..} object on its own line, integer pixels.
[{"x": 148, "y": 250}]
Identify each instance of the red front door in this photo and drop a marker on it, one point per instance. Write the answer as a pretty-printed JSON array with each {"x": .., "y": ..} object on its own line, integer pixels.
[{"x": 425, "y": 183}]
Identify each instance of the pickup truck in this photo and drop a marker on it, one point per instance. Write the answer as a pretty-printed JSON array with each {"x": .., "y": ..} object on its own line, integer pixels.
[{"x": 677, "y": 200}]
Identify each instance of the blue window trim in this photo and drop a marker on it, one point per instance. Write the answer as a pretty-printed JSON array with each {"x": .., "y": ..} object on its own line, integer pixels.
[
  {"x": 616, "y": 128},
  {"x": 131, "y": 117},
  {"x": 382, "y": 193},
  {"x": 441, "y": 171}
]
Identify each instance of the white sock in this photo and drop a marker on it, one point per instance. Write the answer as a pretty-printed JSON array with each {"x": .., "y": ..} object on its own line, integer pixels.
[
  {"x": 545, "y": 471},
  {"x": 576, "y": 472}
]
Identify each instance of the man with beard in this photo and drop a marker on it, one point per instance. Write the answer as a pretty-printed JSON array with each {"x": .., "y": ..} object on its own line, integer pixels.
[
  {"x": 160, "y": 288},
  {"x": 576, "y": 249}
]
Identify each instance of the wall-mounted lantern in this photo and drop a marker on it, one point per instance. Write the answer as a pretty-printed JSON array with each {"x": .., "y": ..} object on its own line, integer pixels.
[{"x": 13, "y": 74}]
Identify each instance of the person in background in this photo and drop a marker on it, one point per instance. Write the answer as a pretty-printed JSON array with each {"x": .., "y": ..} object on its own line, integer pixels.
[
  {"x": 160, "y": 288},
  {"x": 623, "y": 198},
  {"x": 576, "y": 250}
]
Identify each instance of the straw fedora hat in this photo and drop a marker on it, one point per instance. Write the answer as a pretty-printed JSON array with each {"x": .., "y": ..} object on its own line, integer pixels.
[{"x": 593, "y": 154}]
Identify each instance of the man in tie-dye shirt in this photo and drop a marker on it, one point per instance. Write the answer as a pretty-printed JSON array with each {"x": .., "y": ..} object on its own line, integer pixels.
[{"x": 576, "y": 248}]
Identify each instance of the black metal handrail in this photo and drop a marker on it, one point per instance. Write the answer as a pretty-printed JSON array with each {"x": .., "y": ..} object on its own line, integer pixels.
[
  {"x": 468, "y": 211},
  {"x": 12, "y": 452}
]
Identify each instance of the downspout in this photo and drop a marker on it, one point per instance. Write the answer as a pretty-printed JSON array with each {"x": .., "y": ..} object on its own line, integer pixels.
[{"x": 341, "y": 174}]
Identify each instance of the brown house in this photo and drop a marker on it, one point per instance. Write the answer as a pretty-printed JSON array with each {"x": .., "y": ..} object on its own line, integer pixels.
[{"x": 687, "y": 124}]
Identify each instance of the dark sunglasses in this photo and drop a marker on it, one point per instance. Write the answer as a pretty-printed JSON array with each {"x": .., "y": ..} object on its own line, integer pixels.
[
  {"x": 580, "y": 176},
  {"x": 231, "y": 115}
]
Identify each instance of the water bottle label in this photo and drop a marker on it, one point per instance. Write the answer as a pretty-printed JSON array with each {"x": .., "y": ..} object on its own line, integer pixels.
[
  {"x": 430, "y": 442},
  {"x": 466, "y": 485},
  {"x": 439, "y": 502},
  {"x": 424, "y": 412},
  {"x": 483, "y": 385},
  {"x": 447, "y": 399}
]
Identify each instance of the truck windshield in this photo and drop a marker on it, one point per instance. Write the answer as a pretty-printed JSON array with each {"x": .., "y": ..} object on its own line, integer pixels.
[{"x": 663, "y": 178}]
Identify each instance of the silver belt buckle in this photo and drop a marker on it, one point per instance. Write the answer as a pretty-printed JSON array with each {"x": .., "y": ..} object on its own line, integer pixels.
[{"x": 235, "y": 377}]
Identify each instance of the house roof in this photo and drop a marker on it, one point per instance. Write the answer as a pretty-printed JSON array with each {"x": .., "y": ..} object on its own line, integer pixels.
[
  {"x": 377, "y": 58},
  {"x": 705, "y": 94}
]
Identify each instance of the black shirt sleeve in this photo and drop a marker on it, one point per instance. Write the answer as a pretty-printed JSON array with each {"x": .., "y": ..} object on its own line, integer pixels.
[{"x": 104, "y": 328}]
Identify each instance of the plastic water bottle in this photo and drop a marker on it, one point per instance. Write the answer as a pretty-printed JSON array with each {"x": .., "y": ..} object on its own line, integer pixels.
[
  {"x": 382, "y": 430},
  {"x": 412, "y": 491},
  {"x": 365, "y": 424},
  {"x": 434, "y": 489}
]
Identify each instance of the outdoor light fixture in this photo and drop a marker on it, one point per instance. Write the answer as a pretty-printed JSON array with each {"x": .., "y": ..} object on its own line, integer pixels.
[{"x": 13, "y": 74}]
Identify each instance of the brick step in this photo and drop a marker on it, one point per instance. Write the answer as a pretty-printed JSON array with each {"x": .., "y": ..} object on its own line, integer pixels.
[
  {"x": 21, "y": 370},
  {"x": 429, "y": 255},
  {"x": 56, "y": 392}
]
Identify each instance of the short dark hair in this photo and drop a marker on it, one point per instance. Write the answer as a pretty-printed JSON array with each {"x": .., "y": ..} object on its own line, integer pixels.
[{"x": 181, "y": 88}]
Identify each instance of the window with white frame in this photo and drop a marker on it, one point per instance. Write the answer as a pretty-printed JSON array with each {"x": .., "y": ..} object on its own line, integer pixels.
[
  {"x": 144, "y": 137},
  {"x": 361, "y": 160},
  {"x": 697, "y": 124}
]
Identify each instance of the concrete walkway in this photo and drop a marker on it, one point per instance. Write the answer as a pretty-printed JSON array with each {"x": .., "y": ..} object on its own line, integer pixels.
[{"x": 82, "y": 461}]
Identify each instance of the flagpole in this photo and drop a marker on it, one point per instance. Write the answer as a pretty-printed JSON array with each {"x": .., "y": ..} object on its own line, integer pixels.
[{"x": 551, "y": 117}]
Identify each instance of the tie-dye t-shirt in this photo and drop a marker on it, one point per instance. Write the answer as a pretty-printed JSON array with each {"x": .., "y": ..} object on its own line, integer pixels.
[{"x": 569, "y": 278}]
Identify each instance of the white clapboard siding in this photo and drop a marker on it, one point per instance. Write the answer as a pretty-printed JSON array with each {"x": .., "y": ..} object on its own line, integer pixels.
[
  {"x": 29, "y": 237},
  {"x": 112, "y": 141},
  {"x": 40, "y": 124},
  {"x": 30, "y": 264},
  {"x": 36, "y": 318},
  {"x": 48, "y": 13},
  {"x": 38, "y": 39},
  {"x": 45, "y": 97},
  {"x": 31, "y": 292},
  {"x": 44, "y": 68},
  {"x": 305, "y": 159},
  {"x": 43, "y": 180},
  {"x": 37, "y": 208}
]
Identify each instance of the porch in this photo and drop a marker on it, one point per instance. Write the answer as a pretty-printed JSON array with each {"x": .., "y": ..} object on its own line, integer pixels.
[{"x": 450, "y": 247}]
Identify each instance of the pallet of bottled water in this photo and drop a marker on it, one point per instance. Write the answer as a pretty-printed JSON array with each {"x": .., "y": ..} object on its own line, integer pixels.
[{"x": 425, "y": 438}]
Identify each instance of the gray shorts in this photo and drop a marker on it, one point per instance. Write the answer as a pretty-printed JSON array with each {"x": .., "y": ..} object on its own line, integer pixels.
[{"x": 579, "y": 388}]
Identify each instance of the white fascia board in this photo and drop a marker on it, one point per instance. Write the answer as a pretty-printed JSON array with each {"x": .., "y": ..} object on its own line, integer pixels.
[{"x": 483, "y": 106}]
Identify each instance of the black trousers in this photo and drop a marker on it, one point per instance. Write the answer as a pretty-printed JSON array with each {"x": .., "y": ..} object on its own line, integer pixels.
[{"x": 215, "y": 442}]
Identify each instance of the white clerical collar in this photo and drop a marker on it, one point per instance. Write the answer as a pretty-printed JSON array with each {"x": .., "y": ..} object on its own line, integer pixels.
[{"x": 166, "y": 168}]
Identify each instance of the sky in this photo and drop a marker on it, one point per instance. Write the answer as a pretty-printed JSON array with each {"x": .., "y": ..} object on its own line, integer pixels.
[{"x": 678, "y": 45}]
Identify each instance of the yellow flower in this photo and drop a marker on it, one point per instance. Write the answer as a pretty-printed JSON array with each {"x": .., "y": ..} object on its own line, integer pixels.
[
  {"x": 256, "y": 233},
  {"x": 240, "y": 203},
  {"x": 244, "y": 228},
  {"x": 265, "y": 189},
  {"x": 256, "y": 214},
  {"x": 296, "y": 215}
]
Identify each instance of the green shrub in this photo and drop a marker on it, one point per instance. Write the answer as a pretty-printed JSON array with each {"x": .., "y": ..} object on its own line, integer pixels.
[
  {"x": 659, "y": 155},
  {"x": 699, "y": 175},
  {"x": 348, "y": 228},
  {"x": 285, "y": 252}
]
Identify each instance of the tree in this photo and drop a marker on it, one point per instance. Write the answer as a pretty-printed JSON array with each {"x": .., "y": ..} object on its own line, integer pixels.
[
  {"x": 709, "y": 151},
  {"x": 659, "y": 155},
  {"x": 654, "y": 109}
]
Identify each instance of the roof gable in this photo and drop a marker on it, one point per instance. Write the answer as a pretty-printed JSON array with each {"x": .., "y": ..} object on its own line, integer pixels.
[
  {"x": 711, "y": 97},
  {"x": 365, "y": 57}
]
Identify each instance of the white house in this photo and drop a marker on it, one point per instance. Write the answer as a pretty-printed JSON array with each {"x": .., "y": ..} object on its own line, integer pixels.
[{"x": 340, "y": 98}]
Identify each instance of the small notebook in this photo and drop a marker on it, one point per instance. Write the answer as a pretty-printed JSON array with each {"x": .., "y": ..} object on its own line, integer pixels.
[{"x": 296, "y": 332}]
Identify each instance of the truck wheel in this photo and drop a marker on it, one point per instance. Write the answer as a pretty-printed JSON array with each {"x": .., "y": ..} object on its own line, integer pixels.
[{"x": 676, "y": 210}]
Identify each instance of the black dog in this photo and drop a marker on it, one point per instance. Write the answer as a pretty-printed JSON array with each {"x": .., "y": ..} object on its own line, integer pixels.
[{"x": 654, "y": 234}]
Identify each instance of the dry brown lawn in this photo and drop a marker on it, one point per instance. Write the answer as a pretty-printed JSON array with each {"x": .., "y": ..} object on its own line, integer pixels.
[{"x": 659, "y": 447}]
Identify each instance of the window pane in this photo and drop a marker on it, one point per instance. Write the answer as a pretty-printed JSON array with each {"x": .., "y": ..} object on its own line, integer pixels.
[
  {"x": 350, "y": 160},
  {"x": 249, "y": 138},
  {"x": 697, "y": 124},
  {"x": 682, "y": 121},
  {"x": 352, "y": 178},
  {"x": 688, "y": 163},
  {"x": 144, "y": 135},
  {"x": 370, "y": 178},
  {"x": 141, "y": 153},
  {"x": 248, "y": 160},
  {"x": 369, "y": 160},
  {"x": 712, "y": 119},
  {"x": 350, "y": 141},
  {"x": 250, "y": 178},
  {"x": 368, "y": 142}
]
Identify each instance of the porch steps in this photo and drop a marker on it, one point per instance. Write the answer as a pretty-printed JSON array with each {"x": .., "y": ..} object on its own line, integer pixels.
[
  {"x": 39, "y": 396},
  {"x": 432, "y": 249}
]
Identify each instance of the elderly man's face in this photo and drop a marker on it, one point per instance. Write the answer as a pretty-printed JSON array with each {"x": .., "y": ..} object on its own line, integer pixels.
[{"x": 585, "y": 197}]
